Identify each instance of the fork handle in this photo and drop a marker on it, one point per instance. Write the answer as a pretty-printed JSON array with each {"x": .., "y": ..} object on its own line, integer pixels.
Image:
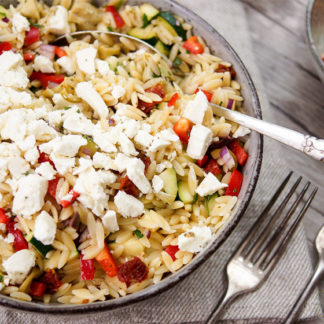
[{"x": 303, "y": 297}]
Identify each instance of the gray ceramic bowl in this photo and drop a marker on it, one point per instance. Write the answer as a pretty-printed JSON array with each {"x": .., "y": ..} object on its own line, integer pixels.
[
  {"x": 315, "y": 33},
  {"x": 251, "y": 172}
]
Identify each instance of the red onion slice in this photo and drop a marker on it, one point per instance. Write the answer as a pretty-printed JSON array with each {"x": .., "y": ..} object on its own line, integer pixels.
[
  {"x": 5, "y": 19},
  {"x": 47, "y": 50},
  {"x": 85, "y": 150},
  {"x": 230, "y": 103},
  {"x": 227, "y": 157}
]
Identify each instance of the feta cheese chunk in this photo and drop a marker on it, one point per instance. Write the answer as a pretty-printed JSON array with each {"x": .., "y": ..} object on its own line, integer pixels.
[
  {"x": 196, "y": 108},
  {"x": 58, "y": 24},
  {"x": 130, "y": 127},
  {"x": 19, "y": 23},
  {"x": 135, "y": 172},
  {"x": 67, "y": 65},
  {"x": 63, "y": 164},
  {"x": 121, "y": 162},
  {"x": 117, "y": 91},
  {"x": 12, "y": 98},
  {"x": 86, "y": 60},
  {"x": 103, "y": 67},
  {"x": 19, "y": 265},
  {"x": 158, "y": 144},
  {"x": 157, "y": 183},
  {"x": 78, "y": 123},
  {"x": 44, "y": 64},
  {"x": 126, "y": 145},
  {"x": 17, "y": 166},
  {"x": 46, "y": 170},
  {"x": 87, "y": 92},
  {"x": 209, "y": 185},
  {"x": 199, "y": 141},
  {"x": 127, "y": 205},
  {"x": 45, "y": 228},
  {"x": 103, "y": 161},
  {"x": 109, "y": 221},
  {"x": 32, "y": 155},
  {"x": 143, "y": 138},
  {"x": 241, "y": 131},
  {"x": 195, "y": 239},
  {"x": 59, "y": 101},
  {"x": 104, "y": 141},
  {"x": 29, "y": 198}
]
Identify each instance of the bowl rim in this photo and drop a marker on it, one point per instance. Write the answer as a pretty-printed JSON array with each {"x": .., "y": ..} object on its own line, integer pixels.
[
  {"x": 309, "y": 35},
  {"x": 172, "y": 280}
]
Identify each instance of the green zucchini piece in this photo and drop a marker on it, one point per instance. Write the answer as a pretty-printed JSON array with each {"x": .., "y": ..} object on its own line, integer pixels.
[
  {"x": 184, "y": 192},
  {"x": 169, "y": 178},
  {"x": 152, "y": 41},
  {"x": 162, "y": 48},
  {"x": 162, "y": 22},
  {"x": 166, "y": 15},
  {"x": 211, "y": 202},
  {"x": 148, "y": 10},
  {"x": 142, "y": 33},
  {"x": 40, "y": 247}
]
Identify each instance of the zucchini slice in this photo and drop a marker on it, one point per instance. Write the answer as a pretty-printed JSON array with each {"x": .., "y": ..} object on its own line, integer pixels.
[
  {"x": 40, "y": 247},
  {"x": 170, "y": 185},
  {"x": 184, "y": 193},
  {"x": 162, "y": 22},
  {"x": 166, "y": 15},
  {"x": 211, "y": 203},
  {"x": 148, "y": 10},
  {"x": 162, "y": 48},
  {"x": 142, "y": 33}
]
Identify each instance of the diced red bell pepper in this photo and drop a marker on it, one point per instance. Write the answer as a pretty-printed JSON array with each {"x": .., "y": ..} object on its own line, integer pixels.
[
  {"x": 87, "y": 268},
  {"x": 173, "y": 99},
  {"x": 45, "y": 79},
  {"x": 52, "y": 186},
  {"x": 32, "y": 36},
  {"x": 172, "y": 250},
  {"x": 5, "y": 46},
  {"x": 19, "y": 241},
  {"x": 203, "y": 161},
  {"x": 234, "y": 185},
  {"x": 107, "y": 262},
  {"x": 37, "y": 288},
  {"x": 117, "y": 17},
  {"x": 239, "y": 152},
  {"x": 29, "y": 56},
  {"x": 208, "y": 94},
  {"x": 4, "y": 218},
  {"x": 213, "y": 167},
  {"x": 193, "y": 46},
  {"x": 60, "y": 51},
  {"x": 183, "y": 128},
  {"x": 67, "y": 202}
]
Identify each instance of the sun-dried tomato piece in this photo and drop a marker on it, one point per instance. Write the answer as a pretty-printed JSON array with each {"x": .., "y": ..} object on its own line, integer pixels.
[
  {"x": 133, "y": 270},
  {"x": 52, "y": 281},
  {"x": 148, "y": 106},
  {"x": 128, "y": 186},
  {"x": 147, "y": 161},
  {"x": 213, "y": 167},
  {"x": 223, "y": 68}
]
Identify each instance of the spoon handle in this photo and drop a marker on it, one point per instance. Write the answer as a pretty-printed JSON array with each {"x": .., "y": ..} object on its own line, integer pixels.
[
  {"x": 295, "y": 311},
  {"x": 307, "y": 144}
]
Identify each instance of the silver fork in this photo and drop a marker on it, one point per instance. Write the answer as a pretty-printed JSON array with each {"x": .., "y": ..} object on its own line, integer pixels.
[{"x": 256, "y": 257}]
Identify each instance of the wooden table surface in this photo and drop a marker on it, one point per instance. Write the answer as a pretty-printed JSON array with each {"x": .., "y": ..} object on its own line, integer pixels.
[{"x": 294, "y": 90}]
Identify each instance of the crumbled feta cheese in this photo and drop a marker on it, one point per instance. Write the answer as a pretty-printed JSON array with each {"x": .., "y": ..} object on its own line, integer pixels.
[
  {"x": 17, "y": 166},
  {"x": 109, "y": 221},
  {"x": 19, "y": 23},
  {"x": 32, "y": 155},
  {"x": 143, "y": 138},
  {"x": 103, "y": 67},
  {"x": 78, "y": 123},
  {"x": 199, "y": 141},
  {"x": 196, "y": 108},
  {"x": 46, "y": 170},
  {"x": 168, "y": 135},
  {"x": 146, "y": 127},
  {"x": 44, "y": 64},
  {"x": 10, "y": 238},
  {"x": 67, "y": 64},
  {"x": 58, "y": 23},
  {"x": 241, "y": 131},
  {"x": 27, "y": 143},
  {"x": 135, "y": 172},
  {"x": 59, "y": 101},
  {"x": 127, "y": 205},
  {"x": 87, "y": 92},
  {"x": 107, "y": 177},
  {"x": 86, "y": 60},
  {"x": 158, "y": 144},
  {"x": 121, "y": 162},
  {"x": 41, "y": 130},
  {"x": 130, "y": 127},
  {"x": 9, "y": 60},
  {"x": 101, "y": 160},
  {"x": 45, "y": 228},
  {"x": 29, "y": 198},
  {"x": 62, "y": 164},
  {"x": 12, "y": 98},
  {"x": 117, "y": 91},
  {"x": 55, "y": 118},
  {"x": 104, "y": 141},
  {"x": 209, "y": 185},
  {"x": 19, "y": 265},
  {"x": 126, "y": 145},
  {"x": 157, "y": 183},
  {"x": 84, "y": 165},
  {"x": 195, "y": 239},
  {"x": 161, "y": 166}
]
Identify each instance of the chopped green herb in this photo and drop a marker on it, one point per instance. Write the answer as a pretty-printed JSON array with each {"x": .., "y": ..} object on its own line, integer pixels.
[
  {"x": 119, "y": 4},
  {"x": 177, "y": 62},
  {"x": 67, "y": 108},
  {"x": 195, "y": 198},
  {"x": 26, "y": 173},
  {"x": 1, "y": 277},
  {"x": 33, "y": 89},
  {"x": 155, "y": 76},
  {"x": 221, "y": 103},
  {"x": 35, "y": 25},
  {"x": 78, "y": 111},
  {"x": 88, "y": 138},
  {"x": 145, "y": 21},
  {"x": 3, "y": 14},
  {"x": 187, "y": 52},
  {"x": 109, "y": 29},
  {"x": 235, "y": 190},
  {"x": 138, "y": 233}
]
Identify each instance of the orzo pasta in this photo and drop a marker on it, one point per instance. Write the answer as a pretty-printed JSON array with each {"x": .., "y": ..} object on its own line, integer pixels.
[{"x": 114, "y": 171}]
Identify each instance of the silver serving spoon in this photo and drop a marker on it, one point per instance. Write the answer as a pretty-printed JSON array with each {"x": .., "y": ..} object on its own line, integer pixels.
[
  {"x": 307, "y": 144},
  {"x": 318, "y": 274}
]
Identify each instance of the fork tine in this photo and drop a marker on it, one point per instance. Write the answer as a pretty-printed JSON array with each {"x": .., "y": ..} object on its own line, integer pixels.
[
  {"x": 280, "y": 249},
  {"x": 275, "y": 237},
  {"x": 264, "y": 214},
  {"x": 262, "y": 236}
]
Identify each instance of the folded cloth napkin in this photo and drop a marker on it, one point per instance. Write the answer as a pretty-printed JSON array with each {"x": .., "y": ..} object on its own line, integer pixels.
[{"x": 192, "y": 300}]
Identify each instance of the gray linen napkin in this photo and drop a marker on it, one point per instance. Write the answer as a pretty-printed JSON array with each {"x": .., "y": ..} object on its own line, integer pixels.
[{"x": 192, "y": 300}]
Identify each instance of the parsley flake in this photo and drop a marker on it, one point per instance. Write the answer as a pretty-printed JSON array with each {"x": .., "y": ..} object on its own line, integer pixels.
[
  {"x": 67, "y": 108},
  {"x": 138, "y": 233},
  {"x": 109, "y": 29}
]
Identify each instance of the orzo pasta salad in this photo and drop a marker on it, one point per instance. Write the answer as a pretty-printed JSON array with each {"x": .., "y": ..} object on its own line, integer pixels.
[{"x": 114, "y": 170}]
